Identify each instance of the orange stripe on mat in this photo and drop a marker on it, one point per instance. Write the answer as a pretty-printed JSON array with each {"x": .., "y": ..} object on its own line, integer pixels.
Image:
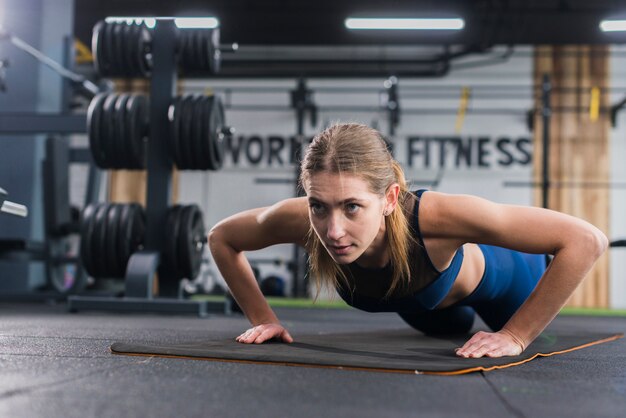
[{"x": 376, "y": 369}]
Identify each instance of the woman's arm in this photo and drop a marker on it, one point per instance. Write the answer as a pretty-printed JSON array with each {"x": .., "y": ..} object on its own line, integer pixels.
[
  {"x": 284, "y": 222},
  {"x": 575, "y": 244}
]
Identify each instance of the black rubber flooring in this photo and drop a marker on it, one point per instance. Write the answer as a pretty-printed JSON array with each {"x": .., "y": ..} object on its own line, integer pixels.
[{"x": 57, "y": 364}]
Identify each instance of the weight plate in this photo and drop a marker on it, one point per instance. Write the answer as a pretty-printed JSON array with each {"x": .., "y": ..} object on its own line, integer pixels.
[
  {"x": 107, "y": 130},
  {"x": 215, "y": 55},
  {"x": 129, "y": 61},
  {"x": 110, "y": 255},
  {"x": 142, "y": 131},
  {"x": 199, "y": 53},
  {"x": 144, "y": 42},
  {"x": 98, "y": 241},
  {"x": 96, "y": 46},
  {"x": 185, "y": 132},
  {"x": 120, "y": 141},
  {"x": 86, "y": 232},
  {"x": 94, "y": 127},
  {"x": 122, "y": 250},
  {"x": 109, "y": 51},
  {"x": 135, "y": 125},
  {"x": 132, "y": 232},
  {"x": 196, "y": 133},
  {"x": 216, "y": 135},
  {"x": 138, "y": 231},
  {"x": 196, "y": 242},
  {"x": 119, "y": 49},
  {"x": 204, "y": 133}
]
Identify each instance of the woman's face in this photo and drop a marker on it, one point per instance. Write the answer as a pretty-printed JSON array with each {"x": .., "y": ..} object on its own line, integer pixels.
[{"x": 346, "y": 216}]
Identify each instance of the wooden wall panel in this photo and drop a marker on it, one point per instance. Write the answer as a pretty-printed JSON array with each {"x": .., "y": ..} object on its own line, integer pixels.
[{"x": 579, "y": 147}]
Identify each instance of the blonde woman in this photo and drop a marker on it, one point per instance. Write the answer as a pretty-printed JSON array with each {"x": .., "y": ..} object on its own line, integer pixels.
[{"x": 435, "y": 259}]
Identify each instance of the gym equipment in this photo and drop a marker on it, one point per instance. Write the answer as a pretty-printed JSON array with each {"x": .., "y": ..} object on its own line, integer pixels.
[
  {"x": 121, "y": 49},
  {"x": 126, "y": 49},
  {"x": 197, "y": 132},
  {"x": 117, "y": 125},
  {"x": 399, "y": 351},
  {"x": 273, "y": 286},
  {"x": 110, "y": 234},
  {"x": 182, "y": 254},
  {"x": 11, "y": 208}
]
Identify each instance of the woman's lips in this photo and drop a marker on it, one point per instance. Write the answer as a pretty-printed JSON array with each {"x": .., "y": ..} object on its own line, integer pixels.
[{"x": 340, "y": 249}]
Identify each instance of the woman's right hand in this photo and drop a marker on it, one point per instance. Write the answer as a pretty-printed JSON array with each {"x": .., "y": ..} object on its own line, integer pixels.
[{"x": 265, "y": 332}]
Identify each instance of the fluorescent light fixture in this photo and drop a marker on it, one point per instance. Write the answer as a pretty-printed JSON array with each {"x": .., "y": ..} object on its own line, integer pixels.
[
  {"x": 149, "y": 21},
  {"x": 405, "y": 24},
  {"x": 196, "y": 22},
  {"x": 613, "y": 25},
  {"x": 180, "y": 22}
]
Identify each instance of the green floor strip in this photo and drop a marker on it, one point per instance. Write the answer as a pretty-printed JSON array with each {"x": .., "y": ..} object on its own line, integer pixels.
[{"x": 277, "y": 302}]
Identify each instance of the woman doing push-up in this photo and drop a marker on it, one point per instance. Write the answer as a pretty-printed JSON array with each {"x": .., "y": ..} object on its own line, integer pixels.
[{"x": 434, "y": 258}]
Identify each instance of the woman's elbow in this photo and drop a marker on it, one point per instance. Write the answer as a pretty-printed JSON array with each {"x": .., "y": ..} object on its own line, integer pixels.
[
  {"x": 216, "y": 238},
  {"x": 596, "y": 242}
]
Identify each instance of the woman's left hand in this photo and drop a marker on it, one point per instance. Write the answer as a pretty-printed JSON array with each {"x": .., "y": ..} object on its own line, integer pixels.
[{"x": 490, "y": 344}]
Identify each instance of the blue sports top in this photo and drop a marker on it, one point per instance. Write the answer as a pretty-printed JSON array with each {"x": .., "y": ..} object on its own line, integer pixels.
[{"x": 366, "y": 287}]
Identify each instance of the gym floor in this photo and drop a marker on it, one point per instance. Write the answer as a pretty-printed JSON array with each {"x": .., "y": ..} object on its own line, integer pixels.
[{"x": 57, "y": 364}]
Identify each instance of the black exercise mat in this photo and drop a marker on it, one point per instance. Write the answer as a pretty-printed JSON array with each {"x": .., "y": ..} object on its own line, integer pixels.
[{"x": 403, "y": 351}]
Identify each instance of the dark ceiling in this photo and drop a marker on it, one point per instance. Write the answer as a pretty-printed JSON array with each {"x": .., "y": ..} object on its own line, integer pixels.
[{"x": 320, "y": 22}]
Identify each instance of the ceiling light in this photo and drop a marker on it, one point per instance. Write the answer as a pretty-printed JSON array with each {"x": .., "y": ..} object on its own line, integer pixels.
[
  {"x": 405, "y": 24},
  {"x": 180, "y": 22},
  {"x": 613, "y": 25}
]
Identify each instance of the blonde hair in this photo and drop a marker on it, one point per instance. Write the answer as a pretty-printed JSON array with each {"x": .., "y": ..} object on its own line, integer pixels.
[{"x": 361, "y": 151}]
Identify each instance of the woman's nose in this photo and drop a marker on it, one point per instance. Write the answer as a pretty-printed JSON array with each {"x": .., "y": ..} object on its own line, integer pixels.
[{"x": 335, "y": 230}]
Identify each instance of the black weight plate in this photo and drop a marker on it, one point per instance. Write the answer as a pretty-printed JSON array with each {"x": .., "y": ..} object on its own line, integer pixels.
[
  {"x": 110, "y": 255},
  {"x": 135, "y": 122},
  {"x": 129, "y": 61},
  {"x": 119, "y": 49},
  {"x": 203, "y": 52},
  {"x": 217, "y": 138},
  {"x": 196, "y": 130},
  {"x": 173, "y": 114},
  {"x": 144, "y": 41},
  {"x": 215, "y": 55},
  {"x": 183, "y": 241},
  {"x": 123, "y": 240},
  {"x": 109, "y": 50},
  {"x": 107, "y": 132},
  {"x": 86, "y": 232},
  {"x": 130, "y": 129},
  {"x": 96, "y": 46},
  {"x": 121, "y": 155},
  {"x": 98, "y": 241},
  {"x": 142, "y": 130},
  {"x": 185, "y": 133},
  {"x": 132, "y": 228},
  {"x": 134, "y": 48},
  {"x": 205, "y": 134},
  {"x": 199, "y": 54},
  {"x": 94, "y": 124},
  {"x": 138, "y": 231},
  {"x": 196, "y": 242}
]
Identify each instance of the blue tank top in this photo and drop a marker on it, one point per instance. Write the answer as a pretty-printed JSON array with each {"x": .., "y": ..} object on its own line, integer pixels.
[{"x": 366, "y": 287}]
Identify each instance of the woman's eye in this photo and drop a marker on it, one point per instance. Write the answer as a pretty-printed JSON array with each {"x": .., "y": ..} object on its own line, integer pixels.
[
  {"x": 316, "y": 208},
  {"x": 352, "y": 208}
]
